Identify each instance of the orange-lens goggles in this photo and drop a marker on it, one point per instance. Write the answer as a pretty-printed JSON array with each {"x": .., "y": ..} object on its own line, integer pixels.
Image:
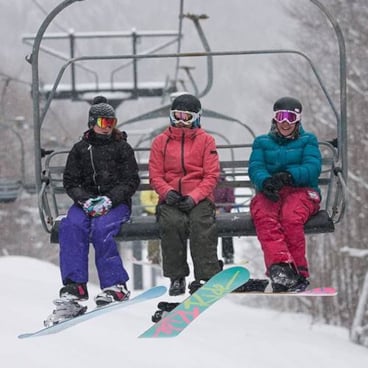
[{"x": 106, "y": 122}]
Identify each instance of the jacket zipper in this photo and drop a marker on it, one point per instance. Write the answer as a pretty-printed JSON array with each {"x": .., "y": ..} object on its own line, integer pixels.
[
  {"x": 182, "y": 159},
  {"x": 93, "y": 167}
]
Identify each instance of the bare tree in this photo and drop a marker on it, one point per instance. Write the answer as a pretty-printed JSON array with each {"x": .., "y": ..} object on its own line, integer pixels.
[{"x": 332, "y": 256}]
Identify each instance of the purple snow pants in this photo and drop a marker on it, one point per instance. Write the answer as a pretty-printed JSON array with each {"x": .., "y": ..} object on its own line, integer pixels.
[{"x": 77, "y": 230}]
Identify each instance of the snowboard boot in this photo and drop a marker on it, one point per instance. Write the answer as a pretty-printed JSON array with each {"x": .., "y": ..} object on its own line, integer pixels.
[
  {"x": 177, "y": 286},
  {"x": 258, "y": 285},
  {"x": 285, "y": 278},
  {"x": 163, "y": 309},
  {"x": 115, "y": 293},
  {"x": 74, "y": 291},
  {"x": 300, "y": 286}
]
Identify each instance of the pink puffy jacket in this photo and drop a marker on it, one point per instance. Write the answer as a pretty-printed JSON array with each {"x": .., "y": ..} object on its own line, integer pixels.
[{"x": 184, "y": 160}]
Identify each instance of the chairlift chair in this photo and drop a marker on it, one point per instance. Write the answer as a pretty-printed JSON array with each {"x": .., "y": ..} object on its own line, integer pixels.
[{"x": 49, "y": 177}]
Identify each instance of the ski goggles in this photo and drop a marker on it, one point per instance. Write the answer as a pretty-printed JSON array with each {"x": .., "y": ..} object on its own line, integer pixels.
[
  {"x": 103, "y": 122},
  {"x": 290, "y": 117},
  {"x": 186, "y": 118}
]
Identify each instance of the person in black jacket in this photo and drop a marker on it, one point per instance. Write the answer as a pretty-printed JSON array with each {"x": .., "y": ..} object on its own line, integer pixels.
[{"x": 101, "y": 176}]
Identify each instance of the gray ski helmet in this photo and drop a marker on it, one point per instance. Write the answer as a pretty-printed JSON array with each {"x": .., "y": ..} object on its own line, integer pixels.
[
  {"x": 288, "y": 103},
  {"x": 186, "y": 102},
  {"x": 100, "y": 108}
]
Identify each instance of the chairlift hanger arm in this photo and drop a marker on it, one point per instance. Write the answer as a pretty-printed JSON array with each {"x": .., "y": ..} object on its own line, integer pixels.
[
  {"x": 107, "y": 34},
  {"x": 206, "y": 46},
  {"x": 33, "y": 59},
  {"x": 342, "y": 131},
  {"x": 65, "y": 57},
  {"x": 191, "y": 54}
]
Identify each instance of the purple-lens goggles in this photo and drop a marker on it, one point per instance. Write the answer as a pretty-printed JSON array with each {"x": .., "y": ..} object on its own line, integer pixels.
[{"x": 290, "y": 117}]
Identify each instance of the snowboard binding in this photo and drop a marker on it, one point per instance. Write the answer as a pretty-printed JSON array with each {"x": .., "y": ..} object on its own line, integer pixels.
[
  {"x": 65, "y": 309},
  {"x": 258, "y": 285},
  {"x": 163, "y": 309}
]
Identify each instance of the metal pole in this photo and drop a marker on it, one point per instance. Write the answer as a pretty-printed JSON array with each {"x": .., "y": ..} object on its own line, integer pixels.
[
  {"x": 72, "y": 69},
  {"x": 33, "y": 59},
  {"x": 135, "y": 62},
  {"x": 342, "y": 127},
  {"x": 137, "y": 269}
]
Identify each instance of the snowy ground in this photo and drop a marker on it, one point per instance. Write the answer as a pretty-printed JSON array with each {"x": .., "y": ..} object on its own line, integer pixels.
[{"x": 227, "y": 335}]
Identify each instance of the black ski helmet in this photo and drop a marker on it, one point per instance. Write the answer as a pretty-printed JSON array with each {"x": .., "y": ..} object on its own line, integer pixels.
[
  {"x": 100, "y": 108},
  {"x": 190, "y": 103},
  {"x": 186, "y": 102},
  {"x": 288, "y": 103}
]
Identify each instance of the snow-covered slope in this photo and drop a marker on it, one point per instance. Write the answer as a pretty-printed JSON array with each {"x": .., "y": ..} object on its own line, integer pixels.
[{"x": 227, "y": 335}]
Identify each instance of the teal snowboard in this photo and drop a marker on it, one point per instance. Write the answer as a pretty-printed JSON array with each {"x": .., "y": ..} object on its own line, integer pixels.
[
  {"x": 152, "y": 293},
  {"x": 192, "y": 307}
]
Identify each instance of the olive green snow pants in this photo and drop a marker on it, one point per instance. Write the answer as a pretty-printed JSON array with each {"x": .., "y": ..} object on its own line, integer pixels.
[{"x": 199, "y": 226}]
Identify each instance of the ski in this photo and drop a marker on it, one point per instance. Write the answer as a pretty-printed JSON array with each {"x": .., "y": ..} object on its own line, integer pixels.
[
  {"x": 186, "y": 312},
  {"x": 152, "y": 293},
  {"x": 319, "y": 291}
]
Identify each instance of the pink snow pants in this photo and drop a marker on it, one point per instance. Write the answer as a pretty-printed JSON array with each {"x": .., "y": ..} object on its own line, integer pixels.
[{"x": 280, "y": 225}]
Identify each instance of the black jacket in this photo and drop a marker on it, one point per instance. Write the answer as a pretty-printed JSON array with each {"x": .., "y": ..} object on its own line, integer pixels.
[{"x": 101, "y": 165}]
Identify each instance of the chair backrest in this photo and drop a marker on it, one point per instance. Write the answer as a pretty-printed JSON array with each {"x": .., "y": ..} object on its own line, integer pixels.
[{"x": 54, "y": 201}]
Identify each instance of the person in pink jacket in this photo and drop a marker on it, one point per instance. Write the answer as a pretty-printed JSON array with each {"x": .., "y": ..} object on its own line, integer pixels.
[{"x": 184, "y": 170}]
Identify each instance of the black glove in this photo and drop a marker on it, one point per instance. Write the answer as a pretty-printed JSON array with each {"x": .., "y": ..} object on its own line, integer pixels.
[
  {"x": 186, "y": 204},
  {"x": 270, "y": 190},
  {"x": 173, "y": 197},
  {"x": 282, "y": 178}
]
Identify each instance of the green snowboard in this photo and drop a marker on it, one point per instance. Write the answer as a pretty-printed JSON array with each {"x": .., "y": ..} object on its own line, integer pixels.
[{"x": 186, "y": 312}]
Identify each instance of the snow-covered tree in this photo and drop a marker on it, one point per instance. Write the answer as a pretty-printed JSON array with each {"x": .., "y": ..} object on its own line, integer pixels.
[{"x": 329, "y": 256}]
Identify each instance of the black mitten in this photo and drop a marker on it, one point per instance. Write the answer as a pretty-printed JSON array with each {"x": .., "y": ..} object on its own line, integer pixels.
[
  {"x": 173, "y": 197},
  {"x": 282, "y": 178},
  {"x": 270, "y": 190},
  {"x": 186, "y": 204}
]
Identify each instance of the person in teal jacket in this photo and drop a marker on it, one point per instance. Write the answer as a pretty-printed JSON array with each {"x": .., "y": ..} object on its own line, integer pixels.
[{"x": 284, "y": 167}]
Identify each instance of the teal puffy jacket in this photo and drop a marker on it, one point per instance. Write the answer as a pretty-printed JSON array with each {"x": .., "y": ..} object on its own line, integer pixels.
[{"x": 301, "y": 157}]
